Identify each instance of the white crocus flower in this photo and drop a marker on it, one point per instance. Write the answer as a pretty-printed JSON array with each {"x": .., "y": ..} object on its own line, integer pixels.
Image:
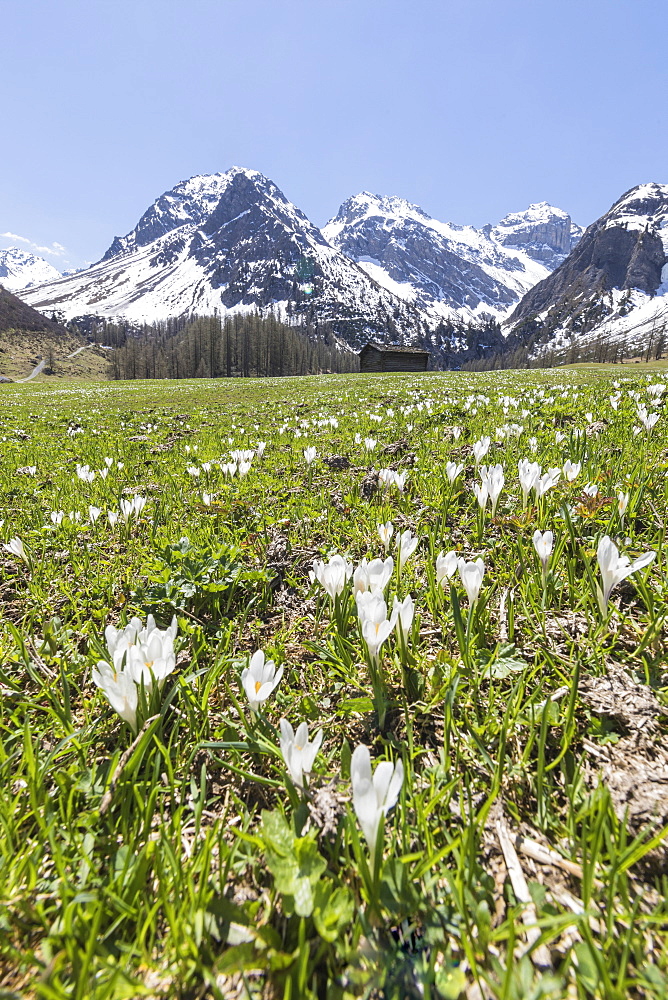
[
  {"x": 471, "y": 574},
  {"x": 446, "y": 566},
  {"x": 373, "y": 794},
  {"x": 452, "y": 470},
  {"x": 309, "y": 455},
  {"x": 94, "y": 513},
  {"x": 481, "y": 493},
  {"x": 85, "y": 473},
  {"x": 403, "y": 613},
  {"x": 622, "y": 503},
  {"x": 529, "y": 474},
  {"x": 547, "y": 481},
  {"x": 119, "y": 640},
  {"x": 16, "y": 548},
  {"x": 370, "y": 443},
  {"x": 259, "y": 679},
  {"x": 543, "y": 543},
  {"x": 150, "y": 658},
  {"x": 376, "y": 628},
  {"x": 242, "y": 455},
  {"x": 120, "y": 690},
  {"x": 648, "y": 420},
  {"x": 57, "y": 516},
  {"x": 373, "y": 576},
  {"x": 385, "y": 532},
  {"x": 572, "y": 470},
  {"x": 298, "y": 752},
  {"x": 192, "y": 470},
  {"x": 244, "y": 468},
  {"x": 122, "y": 638},
  {"x": 112, "y": 517},
  {"x": 406, "y": 544},
  {"x": 391, "y": 478},
  {"x": 259, "y": 451},
  {"x": 591, "y": 489},
  {"x": 480, "y": 448},
  {"x": 332, "y": 576},
  {"x": 615, "y": 568},
  {"x": 495, "y": 480},
  {"x": 127, "y": 510},
  {"x": 206, "y": 499}
]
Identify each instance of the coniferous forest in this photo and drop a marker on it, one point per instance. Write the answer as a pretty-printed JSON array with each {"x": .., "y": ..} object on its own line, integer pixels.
[{"x": 210, "y": 347}]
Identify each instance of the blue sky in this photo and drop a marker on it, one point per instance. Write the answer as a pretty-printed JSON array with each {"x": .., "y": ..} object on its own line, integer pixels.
[{"x": 469, "y": 108}]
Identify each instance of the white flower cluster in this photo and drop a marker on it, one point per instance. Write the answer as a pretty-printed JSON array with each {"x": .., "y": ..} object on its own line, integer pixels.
[{"x": 139, "y": 655}]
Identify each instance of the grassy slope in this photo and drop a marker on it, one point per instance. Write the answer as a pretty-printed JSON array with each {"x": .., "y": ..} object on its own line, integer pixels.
[
  {"x": 175, "y": 885},
  {"x": 21, "y": 351}
]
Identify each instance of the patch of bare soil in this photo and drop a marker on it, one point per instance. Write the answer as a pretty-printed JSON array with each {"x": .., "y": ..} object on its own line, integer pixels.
[{"x": 635, "y": 768}]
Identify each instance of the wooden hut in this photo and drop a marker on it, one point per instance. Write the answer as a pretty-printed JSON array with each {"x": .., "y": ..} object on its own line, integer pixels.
[{"x": 388, "y": 358}]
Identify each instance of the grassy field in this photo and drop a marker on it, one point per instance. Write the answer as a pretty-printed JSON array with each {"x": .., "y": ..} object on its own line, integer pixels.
[{"x": 164, "y": 834}]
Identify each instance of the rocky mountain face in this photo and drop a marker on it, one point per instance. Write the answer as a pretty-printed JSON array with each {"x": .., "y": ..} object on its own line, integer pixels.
[
  {"x": 614, "y": 282},
  {"x": 230, "y": 243},
  {"x": 446, "y": 270},
  {"x": 20, "y": 269},
  {"x": 544, "y": 233}
]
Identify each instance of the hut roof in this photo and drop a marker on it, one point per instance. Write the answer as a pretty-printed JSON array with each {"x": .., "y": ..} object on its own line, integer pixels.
[{"x": 394, "y": 349}]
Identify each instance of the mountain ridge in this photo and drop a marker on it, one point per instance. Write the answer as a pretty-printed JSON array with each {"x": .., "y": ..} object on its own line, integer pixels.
[
  {"x": 448, "y": 270},
  {"x": 225, "y": 243},
  {"x": 381, "y": 268},
  {"x": 615, "y": 281}
]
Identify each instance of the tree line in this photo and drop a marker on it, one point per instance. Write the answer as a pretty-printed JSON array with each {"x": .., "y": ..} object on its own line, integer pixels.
[{"x": 247, "y": 345}]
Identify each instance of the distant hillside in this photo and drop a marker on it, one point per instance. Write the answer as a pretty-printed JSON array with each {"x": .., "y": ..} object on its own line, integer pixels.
[
  {"x": 65, "y": 357},
  {"x": 16, "y": 315},
  {"x": 27, "y": 337}
]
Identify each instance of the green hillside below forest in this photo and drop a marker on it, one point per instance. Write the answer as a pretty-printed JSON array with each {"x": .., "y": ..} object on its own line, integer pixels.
[{"x": 21, "y": 351}]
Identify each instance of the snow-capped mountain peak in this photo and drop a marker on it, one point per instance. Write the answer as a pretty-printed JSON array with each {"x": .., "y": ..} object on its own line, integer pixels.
[
  {"x": 368, "y": 206},
  {"x": 643, "y": 207},
  {"x": 20, "y": 269},
  {"x": 614, "y": 285},
  {"x": 448, "y": 270},
  {"x": 193, "y": 202},
  {"x": 538, "y": 212},
  {"x": 226, "y": 243},
  {"x": 543, "y": 232}
]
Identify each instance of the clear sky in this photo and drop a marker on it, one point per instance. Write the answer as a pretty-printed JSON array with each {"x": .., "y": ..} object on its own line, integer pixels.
[{"x": 469, "y": 108}]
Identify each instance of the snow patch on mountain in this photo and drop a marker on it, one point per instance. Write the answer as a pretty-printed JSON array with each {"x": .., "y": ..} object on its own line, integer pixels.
[{"x": 20, "y": 269}]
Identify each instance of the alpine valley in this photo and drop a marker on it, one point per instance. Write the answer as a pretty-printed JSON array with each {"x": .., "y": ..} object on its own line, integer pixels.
[{"x": 382, "y": 268}]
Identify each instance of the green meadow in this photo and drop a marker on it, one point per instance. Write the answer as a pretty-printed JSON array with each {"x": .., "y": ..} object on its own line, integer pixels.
[{"x": 162, "y": 833}]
